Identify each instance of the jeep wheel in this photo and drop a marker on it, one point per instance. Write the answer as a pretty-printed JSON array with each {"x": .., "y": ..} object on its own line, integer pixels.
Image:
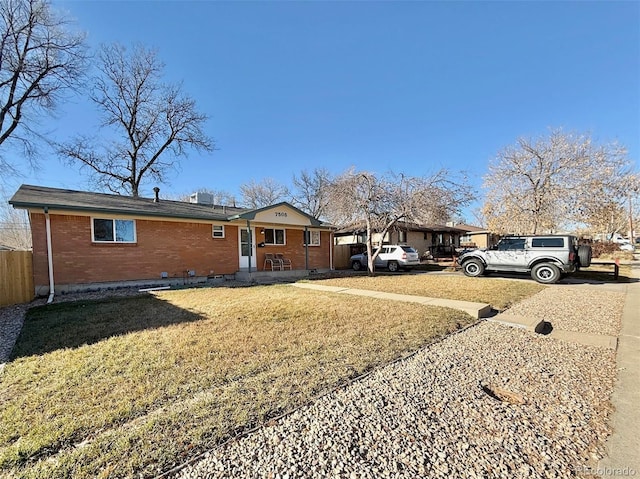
[
  {"x": 545, "y": 273},
  {"x": 584, "y": 255},
  {"x": 473, "y": 268},
  {"x": 393, "y": 266},
  {"x": 356, "y": 265}
]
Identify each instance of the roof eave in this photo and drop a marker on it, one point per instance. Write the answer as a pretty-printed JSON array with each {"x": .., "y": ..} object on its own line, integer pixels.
[{"x": 97, "y": 209}]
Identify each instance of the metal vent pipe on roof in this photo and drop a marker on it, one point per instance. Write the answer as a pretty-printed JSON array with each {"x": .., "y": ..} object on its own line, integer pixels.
[{"x": 156, "y": 190}]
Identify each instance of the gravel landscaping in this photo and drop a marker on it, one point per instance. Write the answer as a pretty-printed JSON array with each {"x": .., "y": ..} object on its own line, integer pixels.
[
  {"x": 11, "y": 320},
  {"x": 575, "y": 309},
  {"x": 490, "y": 401}
]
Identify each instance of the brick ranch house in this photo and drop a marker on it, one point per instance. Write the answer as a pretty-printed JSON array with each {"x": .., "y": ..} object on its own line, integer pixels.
[{"x": 85, "y": 240}]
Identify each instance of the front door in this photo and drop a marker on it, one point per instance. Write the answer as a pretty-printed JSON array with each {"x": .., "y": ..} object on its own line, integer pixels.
[{"x": 247, "y": 248}]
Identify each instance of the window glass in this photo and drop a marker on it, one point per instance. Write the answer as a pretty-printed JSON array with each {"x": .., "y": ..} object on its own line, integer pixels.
[
  {"x": 408, "y": 249},
  {"x": 315, "y": 238},
  {"x": 102, "y": 230},
  {"x": 218, "y": 231},
  {"x": 268, "y": 237},
  {"x": 114, "y": 231},
  {"x": 124, "y": 231},
  {"x": 511, "y": 244},
  {"x": 547, "y": 242},
  {"x": 245, "y": 242},
  {"x": 273, "y": 236}
]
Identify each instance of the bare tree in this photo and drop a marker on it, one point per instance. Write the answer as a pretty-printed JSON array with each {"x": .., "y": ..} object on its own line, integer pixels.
[
  {"x": 40, "y": 59},
  {"x": 267, "y": 192},
  {"x": 383, "y": 200},
  {"x": 311, "y": 193},
  {"x": 552, "y": 182},
  {"x": 153, "y": 123},
  {"x": 15, "y": 230}
]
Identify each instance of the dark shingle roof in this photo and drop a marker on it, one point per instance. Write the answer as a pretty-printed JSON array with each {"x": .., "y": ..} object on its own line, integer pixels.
[
  {"x": 29, "y": 196},
  {"x": 361, "y": 227}
]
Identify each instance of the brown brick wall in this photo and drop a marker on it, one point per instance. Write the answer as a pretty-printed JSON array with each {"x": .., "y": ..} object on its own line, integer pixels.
[
  {"x": 162, "y": 246},
  {"x": 174, "y": 247},
  {"x": 294, "y": 250}
]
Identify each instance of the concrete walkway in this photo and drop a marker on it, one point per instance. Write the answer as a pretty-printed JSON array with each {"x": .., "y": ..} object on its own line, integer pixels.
[
  {"x": 477, "y": 310},
  {"x": 624, "y": 444}
]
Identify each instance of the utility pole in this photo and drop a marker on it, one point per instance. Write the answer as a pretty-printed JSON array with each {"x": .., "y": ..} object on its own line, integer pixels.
[{"x": 631, "y": 222}]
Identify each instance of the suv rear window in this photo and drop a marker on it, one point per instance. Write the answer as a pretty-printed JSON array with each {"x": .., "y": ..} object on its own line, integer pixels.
[
  {"x": 408, "y": 249},
  {"x": 547, "y": 242}
]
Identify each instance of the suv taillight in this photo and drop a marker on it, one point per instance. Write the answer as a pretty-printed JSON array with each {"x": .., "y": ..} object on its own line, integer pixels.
[
  {"x": 404, "y": 255},
  {"x": 572, "y": 256}
]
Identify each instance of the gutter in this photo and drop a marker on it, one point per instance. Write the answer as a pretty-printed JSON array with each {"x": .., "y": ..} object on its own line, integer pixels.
[{"x": 49, "y": 255}]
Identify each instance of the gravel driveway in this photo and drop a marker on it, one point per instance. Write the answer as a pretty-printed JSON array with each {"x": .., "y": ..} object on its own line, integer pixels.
[{"x": 491, "y": 401}]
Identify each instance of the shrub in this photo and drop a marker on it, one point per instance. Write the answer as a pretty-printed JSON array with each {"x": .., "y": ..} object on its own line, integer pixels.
[{"x": 607, "y": 249}]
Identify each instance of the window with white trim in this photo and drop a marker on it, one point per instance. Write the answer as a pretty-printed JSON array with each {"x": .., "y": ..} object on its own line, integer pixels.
[
  {"x": 274, "y": 236},
  {"x": 312, "y": 238},
  {"x": 109, "y": 230},
  {"x": 217, "y": 231}
]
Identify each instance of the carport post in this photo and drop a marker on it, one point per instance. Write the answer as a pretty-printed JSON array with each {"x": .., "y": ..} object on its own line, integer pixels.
[{"x": 250, "y": 243}]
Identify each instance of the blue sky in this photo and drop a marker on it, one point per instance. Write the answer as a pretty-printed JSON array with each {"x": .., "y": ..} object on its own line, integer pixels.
[{"x": 405, "y": 86}]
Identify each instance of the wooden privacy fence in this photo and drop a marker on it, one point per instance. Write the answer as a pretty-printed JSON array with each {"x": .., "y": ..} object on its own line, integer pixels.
[
  {"x": 341, "y": 256},
  {"x": 16, "y": 277}
]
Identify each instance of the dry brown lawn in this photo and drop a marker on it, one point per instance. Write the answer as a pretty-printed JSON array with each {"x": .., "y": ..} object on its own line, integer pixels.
[
  {"x": 499, "y": 293},
  {"x": 129, "y": 387}
]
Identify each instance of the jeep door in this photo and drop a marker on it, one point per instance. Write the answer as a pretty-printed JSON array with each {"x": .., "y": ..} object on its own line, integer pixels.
[
  {"x": 383, "y": 258},
  {"x": 509, "y": 253}
]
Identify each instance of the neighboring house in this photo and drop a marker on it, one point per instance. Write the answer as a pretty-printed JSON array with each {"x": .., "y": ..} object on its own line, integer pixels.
[
  {"x": 428, "y": 240},
  {"x": 477, "y": 237},
  {"x": 85, "y": 238}
]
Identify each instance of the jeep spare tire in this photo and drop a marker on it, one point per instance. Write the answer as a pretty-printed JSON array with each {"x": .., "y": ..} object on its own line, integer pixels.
[
  {"x": 473, "y": 268},
  {"x": 584, "y": 255}
]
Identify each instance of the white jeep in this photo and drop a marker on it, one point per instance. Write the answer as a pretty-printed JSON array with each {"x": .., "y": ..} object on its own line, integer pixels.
[
  {"x": 391, "y": 256},
  {"x": 547, "y": 258}
]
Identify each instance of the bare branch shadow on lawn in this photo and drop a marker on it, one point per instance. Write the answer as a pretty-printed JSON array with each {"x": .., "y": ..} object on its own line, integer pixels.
[{"x": 76, "y": 323}]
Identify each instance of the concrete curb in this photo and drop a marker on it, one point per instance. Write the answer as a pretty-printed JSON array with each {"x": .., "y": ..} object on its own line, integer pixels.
[{"x": 530, "y": 324}]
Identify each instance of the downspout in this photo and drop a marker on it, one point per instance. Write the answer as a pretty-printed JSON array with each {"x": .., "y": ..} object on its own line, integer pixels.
[
  {"x": 307, "y": 240},
  {"x": 49, "y": 255}
]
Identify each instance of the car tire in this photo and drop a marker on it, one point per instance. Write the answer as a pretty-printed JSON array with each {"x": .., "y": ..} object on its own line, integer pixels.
[
  {"x": 356, "y": 265},
  {"x": 546, "y": 273},
  {"x": 393, "y": 266},
  {"x": 473, "y": 268},
  {"x": 584, "y": 255}
]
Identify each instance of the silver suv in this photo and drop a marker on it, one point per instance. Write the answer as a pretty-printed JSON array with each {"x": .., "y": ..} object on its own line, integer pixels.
[
  {"x": 392, "y": 257},
  {"x": 547, "y": 258}
]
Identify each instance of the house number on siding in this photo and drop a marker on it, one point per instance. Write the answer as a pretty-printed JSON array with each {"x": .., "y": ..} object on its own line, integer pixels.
[{"x": 281, "y": 213}]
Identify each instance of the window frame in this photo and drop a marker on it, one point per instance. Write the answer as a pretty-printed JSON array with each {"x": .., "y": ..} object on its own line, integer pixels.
[
  {"x": 275, "y": 236},
  {"x": 540, "y": 242},
  {"x": 309, "y": 235},
  {"x": 114, "y": 231},
  {"x": 213, "y": 231}
]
